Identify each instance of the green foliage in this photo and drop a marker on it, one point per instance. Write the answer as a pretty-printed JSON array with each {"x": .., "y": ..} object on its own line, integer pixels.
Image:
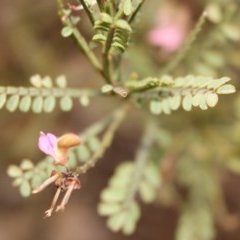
[
  {"x": 196, "y": 223},
  {"x": 28, "y": 176},
  {"x": 113, "y": 32},
  {"x": 166, "y": 160},
  {"x": 168, "y": 94},
  {"x": 43, "y": 95},
  {"x": 122, "y": 214}
]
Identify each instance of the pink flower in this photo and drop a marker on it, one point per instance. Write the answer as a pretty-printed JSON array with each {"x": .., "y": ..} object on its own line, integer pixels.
[
  {"x": 171, "y": 27},
  {"x": 46, "y": 143},
  {"x": 169, "y": 38},
  {"x": 57, "y": 147}
]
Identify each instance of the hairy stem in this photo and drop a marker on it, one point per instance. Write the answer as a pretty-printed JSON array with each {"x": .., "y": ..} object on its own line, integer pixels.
[
  {"x": 88, "y": 12},
  {"x": 106, "y": 62},
  {"x": 81, "y": 42},
  {"x": 100, "y": 5},
  {"x": 141, "y": 159},
  {"x": 183, "y": 51},
  {"x": 106, "y": 139},
  {"x": 134, "y": 14}
]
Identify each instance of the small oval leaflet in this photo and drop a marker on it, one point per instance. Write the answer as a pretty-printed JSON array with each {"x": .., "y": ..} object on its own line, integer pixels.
[
  {"x": 106, "y": 209},
  {"x": 75, "y": 20},
  {"x": 49, "y": 104},
  {"x": 99, "y": 38},
  {"x": 14, "y": 171},
  {"x": 123, "y": 25},
  {"x": 3, "y": 98},
  {"x": 94, "y": 143},
  {"x": 72, "y": 161},
  {"x": 212, "y": 99},
  {"x": 175, "y": 102},
  {"x": 166, "y": 106},
  {"x": 25, "y": 188},
  {"x": 37, "y": 104},
  {"x": 26, "y": 164},
  {"x": 127, "y": 7},
  {"x": 12, "y": 103},
  {"x": 83, "y": 153},
  {"x": 36, "y": 80},
  {"x": 196, "y": 99},
  {"x": 155, "y": 107},
  {"x": 214, "y": 12},
  {"x": 203, "y": 102},
  {"x": 147, "y": 192},
  {"x": 25, "y": 103},
  {"x": 113, "y": 194},
  {"x": 226, "y": 89},
  {"x": 106, "y": 88},
  {"x": 61, "y": 81},
  {"x": 151, "y": 174},
  {"x": 66, "y": 31},
  {"x": 116, "y": 221},
  {"x": 36, "y": 180},
  {"x": 231, "y": 31},
  {"x": 187, "y": 102},
  {"x": 17, "y": 181},
  {"x": 129, "y": 226},
  {"x": 66, "y": 103},
  {"x": 47, "y": 82},
  {"x": 84, "y": 101}
]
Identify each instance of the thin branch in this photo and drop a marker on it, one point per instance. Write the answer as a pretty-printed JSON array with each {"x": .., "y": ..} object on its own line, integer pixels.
[
  {"x": 88, "y": 12},
  {"x": 183, "y": 51},
  {"x": 81, "y": 42},
  {"x": 134, "y": 14},
  {"x": 106, "y": 139},
  {"x": 141, "y": 159},
  {"x": 86, "y": 50},
  {"x": 45, "y": 92},
  {"x": 100, "y": 5},
  {"x": 105, "y": 56}
]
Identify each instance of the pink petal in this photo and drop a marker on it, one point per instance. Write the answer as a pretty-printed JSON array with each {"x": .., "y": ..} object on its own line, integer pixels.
[
  {"x": 169, "y": 37},
  {"x": 46, "y": 143}
]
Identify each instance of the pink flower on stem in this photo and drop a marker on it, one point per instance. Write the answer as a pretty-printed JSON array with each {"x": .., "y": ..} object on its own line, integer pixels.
[
  {"x": 46, "y": 143},
  {"x": 171, "y": 27},
  {"x": 169, "y": 38},
  {"x": 58, "y": 147}
]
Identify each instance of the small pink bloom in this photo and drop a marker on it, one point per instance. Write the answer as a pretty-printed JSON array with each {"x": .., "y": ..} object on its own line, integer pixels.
[
  {"x": 172, "y": 23},
  {"x": 170, "y": 38},
  {"x": 58, "y": 147},
  {"x": 46, "y": 143}
]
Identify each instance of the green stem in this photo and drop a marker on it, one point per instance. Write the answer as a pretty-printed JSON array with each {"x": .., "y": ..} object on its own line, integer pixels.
[
  {"x": 88, "y": 12},
  {"x": 183, "y": 51},
  {"x": 134, "y": 14},
  {"x": 100, "y": 5},
  {"x": 141, "y": 159},
  {"x": 105, "y": 56},
  {"x": 106, "y": 139},
  {"x": 109, "y": 7},
  {"x": 81, "y": 42}
]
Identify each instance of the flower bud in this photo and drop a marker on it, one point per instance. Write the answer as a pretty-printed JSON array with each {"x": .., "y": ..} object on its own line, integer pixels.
[
  {"x": 63, "y": 144},
  {"x": 68, "y": 140}
]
